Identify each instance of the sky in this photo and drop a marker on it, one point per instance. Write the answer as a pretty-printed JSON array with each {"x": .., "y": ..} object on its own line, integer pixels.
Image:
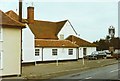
[{"x": 90, "y": 18}]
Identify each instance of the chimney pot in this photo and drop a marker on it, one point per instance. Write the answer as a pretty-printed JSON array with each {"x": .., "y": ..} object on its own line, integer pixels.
[{"x": 30, "y": 15}]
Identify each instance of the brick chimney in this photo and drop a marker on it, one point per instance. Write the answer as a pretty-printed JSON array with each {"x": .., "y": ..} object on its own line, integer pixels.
[{"x": 30, "y": 15}]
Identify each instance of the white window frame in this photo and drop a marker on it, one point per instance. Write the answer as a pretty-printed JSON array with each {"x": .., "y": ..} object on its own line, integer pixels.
[
  {"x": 54, "y": 52},
  {"x": 37, "y": 51},
  {"x": 1, "y": 60},
  {"x": 70, "y": 51}
]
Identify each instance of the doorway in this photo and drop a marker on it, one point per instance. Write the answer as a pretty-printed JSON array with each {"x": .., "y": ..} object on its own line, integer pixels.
[{"x": 84, "y": 51}]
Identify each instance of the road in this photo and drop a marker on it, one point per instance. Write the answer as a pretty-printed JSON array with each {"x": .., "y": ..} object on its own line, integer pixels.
[{"x": 106, "y": 73}]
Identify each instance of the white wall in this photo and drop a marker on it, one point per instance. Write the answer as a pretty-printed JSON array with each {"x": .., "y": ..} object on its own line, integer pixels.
[
  {"x": 89, "y": 51},
  {"x": 1, "y": 63},
  {"x": 1, "y": 33},
  {"x": 1, "y": 60},
  {"x": 28, "y": 46},
  {"x": 1, "y": 46},
  {"x": 1, "y": 38},
  {"x": 11, "y": 54},
  {"x": 66, "y": 30},
  {"x": 1, "y": 49},
  {"x": 62, "y": 54}
]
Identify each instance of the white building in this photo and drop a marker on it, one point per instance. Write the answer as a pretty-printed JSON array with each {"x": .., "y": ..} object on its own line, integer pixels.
[
  {"x": 51, "y": 50},
  {"x": 46, "y": 30},
  {"x": 85, "y": 47},
  {"x": 28, "y": 46},
  {"x": 38, "y": 29},
  {"x": 10, "y": 45}
]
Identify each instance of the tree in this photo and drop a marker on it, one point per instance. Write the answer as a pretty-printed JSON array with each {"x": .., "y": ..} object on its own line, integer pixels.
[{"x": 104, "y": 44}]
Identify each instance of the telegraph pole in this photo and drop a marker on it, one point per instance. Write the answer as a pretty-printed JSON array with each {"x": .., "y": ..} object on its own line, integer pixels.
[
  {"x": 20, "y": 20},
  {"x": 20, "y": 10}
]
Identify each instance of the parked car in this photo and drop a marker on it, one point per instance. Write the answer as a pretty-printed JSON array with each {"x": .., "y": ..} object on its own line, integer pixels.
[
  {"x": 109, "y": 55},
  {"x": 97, "y": 55}
]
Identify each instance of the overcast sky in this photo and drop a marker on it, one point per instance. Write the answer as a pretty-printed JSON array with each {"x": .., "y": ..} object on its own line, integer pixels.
[{"x": 90, "y": 19}]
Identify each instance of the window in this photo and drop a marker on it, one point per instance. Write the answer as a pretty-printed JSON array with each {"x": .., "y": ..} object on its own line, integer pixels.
[
  {"x": 0, "y": 60},
  {"x": 37, "y": 51},
  {"x": 54, "y": 51},
  {"x": 70, "y": 51}
]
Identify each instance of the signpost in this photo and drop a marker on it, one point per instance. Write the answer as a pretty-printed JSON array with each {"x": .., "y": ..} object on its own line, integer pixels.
[{"x": 83, "y": 61}]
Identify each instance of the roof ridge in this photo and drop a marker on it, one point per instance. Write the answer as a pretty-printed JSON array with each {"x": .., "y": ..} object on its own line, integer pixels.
[
  {"x": 51, "y": 40},
  {"x": 62, "y": 21},
  {"x": 15, "y": 20},
  {"x": 19, "y": 23},
  {"x": 82, "y": 39},
  {"x": 11, "y": 11},
  {"x": 15, "y": 16},
  {"x": 50, "y": 21},
  {"x": 44, "y": 21}
]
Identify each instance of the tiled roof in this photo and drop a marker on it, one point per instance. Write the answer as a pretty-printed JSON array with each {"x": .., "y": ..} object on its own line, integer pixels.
[
  {"x": 54, "y": 43},
  {"x": 80, "y": 42},
  {"x": 46, "y": 29},
  {"x": 15, "y": 16},
  {"x": 42, "y": 29},
  {"x": 8, "y": 21}
]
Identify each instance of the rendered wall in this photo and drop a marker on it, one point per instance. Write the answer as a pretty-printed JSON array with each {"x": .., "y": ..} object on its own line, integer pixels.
[
  {"x": 11, "y": 51},
  {"x": 62, "y": 54},
  {"x": 89, "y": 51},
  {"x": 66, "y": 30},
  {"x": 28, "y": 46}
]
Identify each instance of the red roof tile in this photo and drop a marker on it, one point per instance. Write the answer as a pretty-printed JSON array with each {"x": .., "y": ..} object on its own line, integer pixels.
[
  {"x": 46, "y": 29},
  {"x": 42, "y": 29},
  {"x": 8, "y": 21},
  {"x": 54, "y": 43},
  {"x": 15, "y": 16},
  {"x": 80, "y": 42}
]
